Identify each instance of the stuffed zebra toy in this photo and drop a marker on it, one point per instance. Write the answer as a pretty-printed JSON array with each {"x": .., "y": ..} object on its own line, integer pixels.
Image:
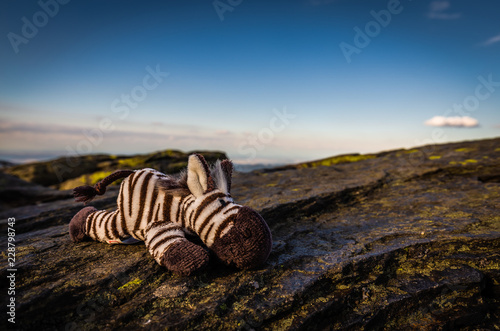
[{"x": 160, "y": 209}]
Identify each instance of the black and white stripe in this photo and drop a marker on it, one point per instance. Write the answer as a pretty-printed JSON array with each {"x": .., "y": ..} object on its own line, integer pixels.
[{"x": 148, "y": 213}]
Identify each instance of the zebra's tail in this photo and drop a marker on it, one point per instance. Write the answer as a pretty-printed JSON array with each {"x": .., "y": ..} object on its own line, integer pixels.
[{"x": 86, "y": 193}]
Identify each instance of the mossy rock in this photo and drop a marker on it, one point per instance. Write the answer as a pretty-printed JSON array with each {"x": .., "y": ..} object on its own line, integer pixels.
[
  {"x": 52, "y": 173},
  {"x": 395, "y": 242}
]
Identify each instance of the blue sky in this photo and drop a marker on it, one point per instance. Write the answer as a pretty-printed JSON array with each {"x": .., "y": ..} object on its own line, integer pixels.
[{"x": 264, "y": 81}]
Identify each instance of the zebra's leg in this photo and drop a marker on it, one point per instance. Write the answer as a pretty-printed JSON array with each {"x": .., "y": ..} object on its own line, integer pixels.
[
  {"x": 99, "y": 225},
  {"x": 77, "y": 224},
  {"x": 170, "y": 248}
]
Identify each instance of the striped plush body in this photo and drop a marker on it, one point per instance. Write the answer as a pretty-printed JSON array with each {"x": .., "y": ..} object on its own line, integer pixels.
[
  {"x": 160, "y": 209},
  {"x": 158, "y": 218}
]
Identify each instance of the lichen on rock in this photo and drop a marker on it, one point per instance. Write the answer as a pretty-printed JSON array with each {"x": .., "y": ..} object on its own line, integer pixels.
[{"x": 396, "y": 241}]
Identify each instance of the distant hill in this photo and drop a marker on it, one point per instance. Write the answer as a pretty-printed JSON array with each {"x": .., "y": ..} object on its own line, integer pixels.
[
  {"x": 5, "y": 164},
  {"x": 257, "y": 166},
  {"x": 69, "y": 172}
]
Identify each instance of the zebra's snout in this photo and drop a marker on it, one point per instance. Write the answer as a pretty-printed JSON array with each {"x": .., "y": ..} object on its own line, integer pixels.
[{"x": 247, "y": 244}]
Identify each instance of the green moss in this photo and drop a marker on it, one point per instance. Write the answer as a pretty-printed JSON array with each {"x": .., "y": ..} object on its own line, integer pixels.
[
  {"x": 134, "y": 282},
  {"x": 434, "y": 157},
  {"x": 90, "y": 179},
  {"x": 464, "y": 248},
  {"x": 468, "y": 161},
  {"x": 133, "y": 162},
  {"x": 97, "y": 176},
  {"x": 22, "y": 251},
  {"x": 285, "y": 324},
  {"x": 343, "y": 287},
  {"x": 411, "y": 151},
  {"x": 464, "y": 149},
  {"x": 169, "y": 152},
  {"x": 336, "y": 160}
]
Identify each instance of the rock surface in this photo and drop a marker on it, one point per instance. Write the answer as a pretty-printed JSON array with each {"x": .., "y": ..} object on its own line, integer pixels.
[
  {"x": 407, "y": 239},
  {"x": 15, "y": 192}
]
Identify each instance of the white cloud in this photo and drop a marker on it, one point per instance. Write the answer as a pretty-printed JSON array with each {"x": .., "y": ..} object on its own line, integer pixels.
[
  {"x": 438, "y": 11},
  {"x": 453, "y": 121},
  {"x": 492, "y": 40}
]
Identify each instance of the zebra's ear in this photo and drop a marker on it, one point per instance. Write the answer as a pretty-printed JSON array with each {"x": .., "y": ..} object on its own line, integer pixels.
[
  {"x": 227, "y": 170},
  {"x": 221, "y": 172},
  {"x": 199, "y": 180}
]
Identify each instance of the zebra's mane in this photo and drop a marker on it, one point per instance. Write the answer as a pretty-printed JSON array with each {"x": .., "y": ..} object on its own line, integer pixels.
[
  {"x": 219, "y": 177},
  {"x": 176, "y": 185}
]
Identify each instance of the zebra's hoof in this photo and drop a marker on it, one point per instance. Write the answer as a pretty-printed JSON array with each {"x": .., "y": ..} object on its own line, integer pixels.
[
  {"x": 77, "y": 224},
  {"x": 184, "y": 258}
]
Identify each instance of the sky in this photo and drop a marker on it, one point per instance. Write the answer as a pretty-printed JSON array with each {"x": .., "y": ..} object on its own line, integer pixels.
[{"x": 263, "y": 81}]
